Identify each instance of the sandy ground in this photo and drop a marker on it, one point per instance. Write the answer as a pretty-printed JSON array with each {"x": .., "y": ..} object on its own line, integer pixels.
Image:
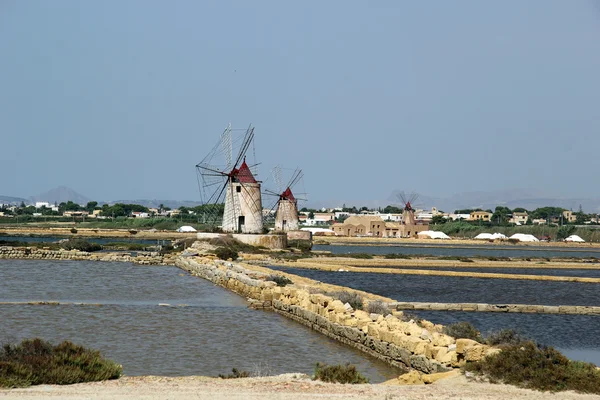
[{"x": 276, "y": 388}]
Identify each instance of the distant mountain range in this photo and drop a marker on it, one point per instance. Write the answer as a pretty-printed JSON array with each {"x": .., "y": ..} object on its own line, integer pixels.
[
  {"x": 527, "y": 198},
  {"x": 59, "y": 195},
  {"x": 12, "y": 200}
]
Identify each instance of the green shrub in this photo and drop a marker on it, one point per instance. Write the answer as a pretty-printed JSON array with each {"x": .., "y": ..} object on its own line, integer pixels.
[
  {"x": 505, "y": 337},
  {"x": 407, "y": 316},
  {"x": 463, "y": 330},
  {"x": 392, "y": 256},
  {"x": 364, "y": 256},
  {"x": 81, "y": 245},
  {"x": 279, "y": 280},
  {"x": 303, "y": 245},
  {"x": 225, "y": 253},
  {"x": 235, "y": 373},
  {"x": 352, "y": 298},
  {"x": 532, "y": 366},
  {"x": 378, "y": 307},
  {"x": 338, "y": 374},
  {"x": 37, "y": 362}
]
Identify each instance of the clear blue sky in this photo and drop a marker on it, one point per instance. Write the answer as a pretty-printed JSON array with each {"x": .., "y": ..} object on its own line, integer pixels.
[{"x": 120, "y": 99}]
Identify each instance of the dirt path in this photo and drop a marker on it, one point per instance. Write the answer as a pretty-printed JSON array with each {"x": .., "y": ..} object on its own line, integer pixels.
[{"x": 276, "y": 388}]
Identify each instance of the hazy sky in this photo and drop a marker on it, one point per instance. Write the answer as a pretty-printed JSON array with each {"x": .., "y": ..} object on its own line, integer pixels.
[{"x": 120, "y": 99}]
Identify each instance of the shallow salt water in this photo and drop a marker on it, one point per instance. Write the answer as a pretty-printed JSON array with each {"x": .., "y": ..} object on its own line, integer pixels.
[{"x": 212, "y": 334}]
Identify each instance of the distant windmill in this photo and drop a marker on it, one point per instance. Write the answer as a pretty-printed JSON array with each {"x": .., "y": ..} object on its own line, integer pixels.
[
  {"x": 408, "y": 212},
  {"x": 228, "y": 185},
  {"x": 286, "y": 216}
]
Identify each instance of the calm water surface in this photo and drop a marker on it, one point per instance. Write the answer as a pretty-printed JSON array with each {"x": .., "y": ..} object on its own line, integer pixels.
[
  {"x": 584, "y": 273},
  {"x": 212, "y": 334},
  {"x": 464, "y": 251}
]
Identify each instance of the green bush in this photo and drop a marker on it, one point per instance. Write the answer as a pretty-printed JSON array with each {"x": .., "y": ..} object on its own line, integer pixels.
[
  {"x": 235, "y": 373},
  {"x": 378, "y": 307},
  {"x": 392, "y": 256},
  {"x": 463, "y": 330},
  {"x": 225, "y": 253},
  {"x": 37, "y": 362},
  {"x": 352, "y": 298},
  {"x": 338, "y": 374},
  {"x": 532, "y": 366},
  {"x": 280, "y": 280},
  {"x": 81, "y": 245},
  {"x": 505, "y": 337}
]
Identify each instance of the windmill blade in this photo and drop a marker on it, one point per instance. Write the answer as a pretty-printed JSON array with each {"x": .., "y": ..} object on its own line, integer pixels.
[
  {"x": 296, "y": 177},
  {"x": 271, "y": 193},
  {"x": 248, "y": 138},
  {"x": 226, "y": 145},
  {"x": 276, "y": 173}
]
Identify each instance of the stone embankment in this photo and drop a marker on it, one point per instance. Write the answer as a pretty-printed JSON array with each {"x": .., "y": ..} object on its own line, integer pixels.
[
  {"x": 33, "y": 253},
  {"x": 483, "y": 307},
  {"x": 404, "y": 344}
]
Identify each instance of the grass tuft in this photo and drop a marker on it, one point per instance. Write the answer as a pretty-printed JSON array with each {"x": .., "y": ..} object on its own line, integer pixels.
[
  {"x": 279, "y": 280},
  {"x": 463, "y": 330},
  {"x": 338, "y": 374},
  {"x": 532, "y": 366},
  {"x": 225, "y": 253},
  {"x": 378, "y": 307},
  {"x": 352, "y": 298},
  {"x": 37, "y": 362},
  {"x": 235, "y": 373}
]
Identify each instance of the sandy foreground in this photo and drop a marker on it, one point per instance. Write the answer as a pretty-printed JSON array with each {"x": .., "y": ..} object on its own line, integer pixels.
[{"x": 278, "y": 387}]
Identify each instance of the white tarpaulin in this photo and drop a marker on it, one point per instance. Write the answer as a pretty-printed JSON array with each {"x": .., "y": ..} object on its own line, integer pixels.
[
  {"x": 483, "y": 236},
  {"x": 186, "y": 228},
  {"x": 574, "y": 238},
  {"x": 523, "y": 237},
  {"x": 433, "y": 235}
]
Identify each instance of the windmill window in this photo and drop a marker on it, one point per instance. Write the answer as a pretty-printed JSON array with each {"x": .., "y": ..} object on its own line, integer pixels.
[{"x": 238, "y": 189}]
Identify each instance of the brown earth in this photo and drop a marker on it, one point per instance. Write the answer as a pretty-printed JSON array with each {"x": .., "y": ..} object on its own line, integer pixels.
[{"x": 276, "y": 388}]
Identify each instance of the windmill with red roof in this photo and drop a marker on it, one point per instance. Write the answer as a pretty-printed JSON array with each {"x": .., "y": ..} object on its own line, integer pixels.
[
  {"x": 230, "y": 192},
  {"x": 286, "y": 216}
]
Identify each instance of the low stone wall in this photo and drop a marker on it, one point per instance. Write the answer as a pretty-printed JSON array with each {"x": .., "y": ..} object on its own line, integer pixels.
[
  {"x": 268, "y": 241},
  {"x": 33, "y": 253},
  {"x": 483, "y": 307},
  {"x": 399, "y": 343},
  {"x": 299, "y": 235}
]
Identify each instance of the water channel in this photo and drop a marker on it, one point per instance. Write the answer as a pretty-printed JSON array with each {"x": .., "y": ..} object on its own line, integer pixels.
[
  {"x": 212, "y": 333},
  {"x": 574, "y": 334}
]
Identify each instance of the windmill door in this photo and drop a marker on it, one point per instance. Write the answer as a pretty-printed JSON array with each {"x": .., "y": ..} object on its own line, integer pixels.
[{"x": 241, "y": 223}]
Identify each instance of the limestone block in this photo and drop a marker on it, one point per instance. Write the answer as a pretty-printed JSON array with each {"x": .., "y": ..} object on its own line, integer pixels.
[
  {"x": 475, "y": 353},
  {"x": 374, "y": 316},
  {"x": 448, "y": 357},
  {"x": 414, "y": 344},
  {"x": 427, "y": 325},
  {"x": 413, "y": 329},
  {"x": 462, "y": 344},
  {"x": 337, "y": 306},
  {"x": 439, "y": 352},
  {"x": 439, "y": 339},
  {"x": 432, "y": 378},
  {"x": 426, "y": 335},
  {"x": 412, "y": 377}
]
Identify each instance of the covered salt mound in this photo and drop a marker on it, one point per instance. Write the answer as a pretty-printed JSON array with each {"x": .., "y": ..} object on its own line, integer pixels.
[
  {"x": 523, "y": 237},
  {"x": 433, "y": 235},
  {"x": 574, "y": 238},
  {"x": 186, "y": 228}
]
